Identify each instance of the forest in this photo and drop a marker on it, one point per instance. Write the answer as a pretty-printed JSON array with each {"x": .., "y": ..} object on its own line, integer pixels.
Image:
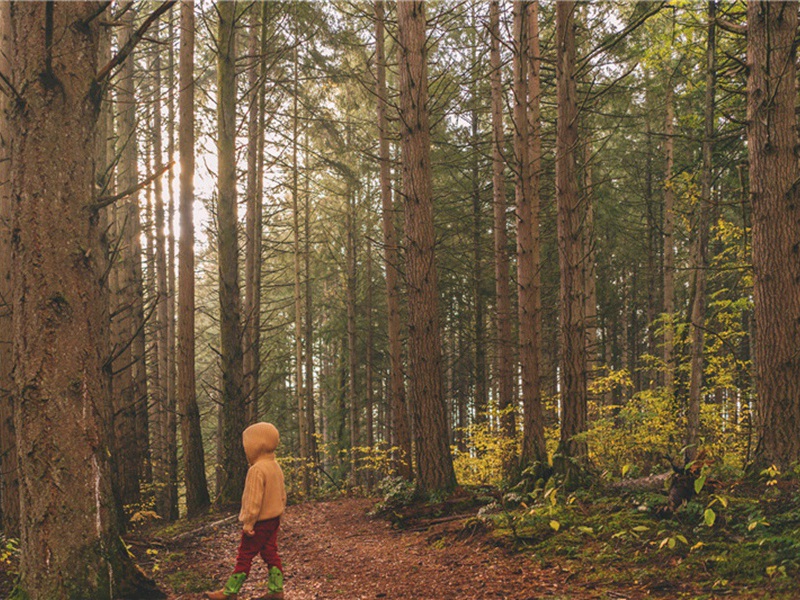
[{"x": 517, "y": 282}]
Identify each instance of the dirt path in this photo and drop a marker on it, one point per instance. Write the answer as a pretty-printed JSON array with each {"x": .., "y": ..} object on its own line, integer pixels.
[{"x": 334, "y": 550}]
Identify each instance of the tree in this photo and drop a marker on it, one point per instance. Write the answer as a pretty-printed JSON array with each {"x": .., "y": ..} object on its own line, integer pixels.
[
  {"x": 232, "y": 462},
  {"x": 9, "y": 490},
  {"x": 772, "y": 142},
  {"x": 669, "y": 243},
  {"x": 255, "y": 185},
  {"x": 60, "y": 314},
  {"x": 160, "y": 451},
  {"x": 397, "y": 391},
  {"x": 572, "y": 449},
  {"x": 534, "y": 451},
  {"x": 504, "y": 365},
  {"x": 197, "y": 499},
  {"x": 700, "y": 249},
  {"x": 434, "y": 462}
]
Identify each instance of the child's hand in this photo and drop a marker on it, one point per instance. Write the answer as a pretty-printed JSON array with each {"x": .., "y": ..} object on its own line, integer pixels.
[{"x": 249, "y": 532}]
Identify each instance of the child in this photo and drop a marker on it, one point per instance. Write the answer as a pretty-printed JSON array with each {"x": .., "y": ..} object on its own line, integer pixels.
[{"x": 263, "y": 502}]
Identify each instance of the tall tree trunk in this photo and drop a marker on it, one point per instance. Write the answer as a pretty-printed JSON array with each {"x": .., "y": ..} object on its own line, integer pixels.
[
  {"x": 253, "y": 226},
  {"x": 522, "y": 193},
  {"x": 589, "y": 244},
  {"x": 700, "y": 249},
  {"x": 308, "y": 333},
  {"x": 129, "y": 392},
  {"x": 135, "y": 296},
  {"x": 161, "y": 458},
  {"x": 197, "y": 499},
  {"x": 232, "y": 461},
  {"x": 9, "y": 483},
  {"x": 534, "y": 451},
  {"x": 434, "y": 462},
  {"x": 352, "y": 349},
  {"x": 505, "y": 371},
  {"x": 772, "y": 142},
  {"x": 573, "y": 450},
  {"x": 481, "y": 395},
  {"x": 302, "y": 429},
  {"x": 70, "y": 544},
  {"x": 397, "y": 392},
  {"x": 669, "y": 244},
  {"x": 171, "y": 439}
]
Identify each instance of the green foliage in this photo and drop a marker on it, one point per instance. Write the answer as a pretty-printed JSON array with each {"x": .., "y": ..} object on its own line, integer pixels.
[
  {"x": 737, "y": 539},
  {"x": 483, "y": 463}
]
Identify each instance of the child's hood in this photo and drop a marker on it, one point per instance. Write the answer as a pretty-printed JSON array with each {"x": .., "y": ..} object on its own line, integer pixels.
[{"x": 260, "y": 440}]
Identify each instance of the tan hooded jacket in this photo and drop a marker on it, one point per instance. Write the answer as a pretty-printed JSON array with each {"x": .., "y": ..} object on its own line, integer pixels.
[{"x": 264, "y": 494}]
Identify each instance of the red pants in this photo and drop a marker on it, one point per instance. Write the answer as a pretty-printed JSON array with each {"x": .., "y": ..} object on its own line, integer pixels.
[{"x": 264, "y": 542}]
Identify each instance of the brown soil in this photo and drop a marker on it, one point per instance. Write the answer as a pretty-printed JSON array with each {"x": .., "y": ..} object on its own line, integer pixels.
[{"x": 335, "y": 550}]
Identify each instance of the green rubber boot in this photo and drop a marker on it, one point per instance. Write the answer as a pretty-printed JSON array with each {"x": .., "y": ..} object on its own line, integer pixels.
[
  {"x": 231, "y": 589},
  {"x": 275, "y": 585}
]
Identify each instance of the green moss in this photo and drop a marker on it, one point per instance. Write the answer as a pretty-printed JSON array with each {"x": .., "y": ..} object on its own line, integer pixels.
[{"x": 191, "y": 582}]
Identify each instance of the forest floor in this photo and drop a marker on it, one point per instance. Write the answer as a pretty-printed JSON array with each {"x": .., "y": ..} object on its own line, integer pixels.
[{"x": 337, "y": 549}]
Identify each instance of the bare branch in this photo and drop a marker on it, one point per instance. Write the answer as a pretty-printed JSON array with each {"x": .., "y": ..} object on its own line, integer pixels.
[{"x": 125, "y": 51}]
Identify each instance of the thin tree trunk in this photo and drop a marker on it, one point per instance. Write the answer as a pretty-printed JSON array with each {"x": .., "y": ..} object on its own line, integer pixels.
[
  {"x": 534, "y": 451},
  {"x": 302, "y": 429},
  {"x": 772, "y": 142},
  {"x": 9, "y": 484},
  {"x": 399, "y": 411},
  {"x": 572, "y": 449},
  {"x": 308, "y": 334},
  {"x": 669, "y": 245},
  {"x": 501, "y": 259},
  {"x": 171, "y": 421},
  {"x": 522, "y": 189},
  {"x": 253, "y": 228},
  {"x": 481, "y": 396},
  {"x": 232, "y": 461},
  {"x": 589, "y": 284},
  {"x": 129, "y": 392},
  {"x": 700, "y": 250},
  {"x": 197, "y": 499},
  {"x": 352, "y": 350},
  {"x": 70, "y": 544},
  {"x": 161, "y": 458},
  {"x": 434, "y": 462}
]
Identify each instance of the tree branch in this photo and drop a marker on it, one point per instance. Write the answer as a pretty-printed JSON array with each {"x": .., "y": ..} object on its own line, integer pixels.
[
  {"x": 104, "y": 201},
  {"x": 125, "y": 51}
]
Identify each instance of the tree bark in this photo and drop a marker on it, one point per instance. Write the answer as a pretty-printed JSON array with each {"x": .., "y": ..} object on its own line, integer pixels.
[
  {"x": 70, "y": 544},
  {"x": 772, "y": 142},
  {"x": 534, "y": 451},
  {"x": 352, "y": 350},
  {"x": 9, "y": 483},
  {"x": 399, "y": 410},
  {"x": 572, "y": 450},
  {"x": 504, "y": 366},
  {"x": 197, "y": 499},
  {"x": 434, "y": 462},
  {"x": 700, "y": 249},
  {"x": 171, "y": 441},
  {"x": 669, "y": 244},
  {"x": 161, "y": 457},
  {"x": 252, "y": 305},
  {"x": 302, "y": 425},
  {"x": 129, "y": 394},
  {"x": 233, "y": 462}
]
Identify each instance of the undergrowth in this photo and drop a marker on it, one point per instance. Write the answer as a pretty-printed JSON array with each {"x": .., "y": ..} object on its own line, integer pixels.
[{"x": 739, "y": 538}]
